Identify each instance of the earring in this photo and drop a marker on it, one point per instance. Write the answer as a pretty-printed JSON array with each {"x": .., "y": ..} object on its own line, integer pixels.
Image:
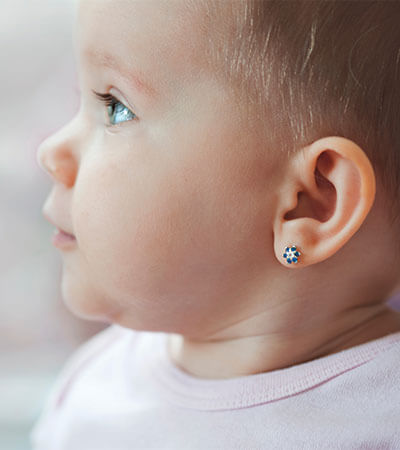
[{"x": 291, "y": 254}]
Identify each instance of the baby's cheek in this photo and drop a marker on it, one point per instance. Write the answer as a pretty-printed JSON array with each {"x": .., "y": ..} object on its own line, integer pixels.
[
  {"x": 126, "y": 227},
  {"x": 155, "y": 234}
]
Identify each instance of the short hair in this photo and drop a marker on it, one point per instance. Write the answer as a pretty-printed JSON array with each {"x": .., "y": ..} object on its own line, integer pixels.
[{"x": 315, "y": 68}]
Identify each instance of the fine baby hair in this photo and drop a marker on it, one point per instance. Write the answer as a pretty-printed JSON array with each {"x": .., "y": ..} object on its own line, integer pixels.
[{"x": 319, "y": 68}]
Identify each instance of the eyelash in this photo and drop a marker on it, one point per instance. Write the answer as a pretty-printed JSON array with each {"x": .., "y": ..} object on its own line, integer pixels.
[{"x": 110, "y": 100}]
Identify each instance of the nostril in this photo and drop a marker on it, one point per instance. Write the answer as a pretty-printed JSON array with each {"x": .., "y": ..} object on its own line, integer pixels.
[{"x": 56, "y": 159}]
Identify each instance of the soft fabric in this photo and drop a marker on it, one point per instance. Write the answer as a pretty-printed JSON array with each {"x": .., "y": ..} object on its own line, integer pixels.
[{"x": 121, "y": 391}]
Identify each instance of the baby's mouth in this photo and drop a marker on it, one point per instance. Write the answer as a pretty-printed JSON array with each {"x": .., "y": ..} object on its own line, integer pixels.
[{"x": 63, "y": 239}]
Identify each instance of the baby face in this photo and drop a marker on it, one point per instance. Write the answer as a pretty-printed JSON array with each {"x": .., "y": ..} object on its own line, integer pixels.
[{"x": 167, "y": 192}]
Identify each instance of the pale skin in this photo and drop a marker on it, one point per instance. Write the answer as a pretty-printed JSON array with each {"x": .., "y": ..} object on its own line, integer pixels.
[{"x": 181, "y": 217}]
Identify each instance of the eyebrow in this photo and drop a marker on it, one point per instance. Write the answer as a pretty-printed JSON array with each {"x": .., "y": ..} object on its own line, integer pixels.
[{"x": 108, "y": 60}]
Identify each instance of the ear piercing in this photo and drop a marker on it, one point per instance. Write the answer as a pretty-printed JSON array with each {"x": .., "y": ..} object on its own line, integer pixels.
[{"x": 291, "y": 254}]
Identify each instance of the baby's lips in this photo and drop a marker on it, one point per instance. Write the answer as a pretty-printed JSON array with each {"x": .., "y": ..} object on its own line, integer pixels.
[{"x": 55, "y": 222}]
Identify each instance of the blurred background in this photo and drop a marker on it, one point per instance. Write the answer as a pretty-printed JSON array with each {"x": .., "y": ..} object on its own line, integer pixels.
[{"x": 39, "y": 95}]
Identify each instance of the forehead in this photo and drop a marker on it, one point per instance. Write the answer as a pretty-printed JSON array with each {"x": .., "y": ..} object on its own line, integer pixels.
[{"x": 152, "y": 36}]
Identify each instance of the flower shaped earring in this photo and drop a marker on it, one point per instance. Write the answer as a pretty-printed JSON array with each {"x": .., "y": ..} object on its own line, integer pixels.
[{"x": 291, "y": 254}]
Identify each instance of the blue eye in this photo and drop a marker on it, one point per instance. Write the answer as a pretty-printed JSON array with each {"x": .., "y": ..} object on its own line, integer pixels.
[{"x": 117, "y": 112}]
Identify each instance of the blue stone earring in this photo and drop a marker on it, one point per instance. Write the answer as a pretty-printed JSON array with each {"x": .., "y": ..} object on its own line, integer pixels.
[{"x": 291, "y": 254}]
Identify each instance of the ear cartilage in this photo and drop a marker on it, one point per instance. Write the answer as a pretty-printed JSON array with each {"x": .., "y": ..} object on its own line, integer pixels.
[{"x": 291, "y": 254}]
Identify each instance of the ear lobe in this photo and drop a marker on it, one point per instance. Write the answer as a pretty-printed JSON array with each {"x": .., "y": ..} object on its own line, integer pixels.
[{"x": 326, "y": 196}]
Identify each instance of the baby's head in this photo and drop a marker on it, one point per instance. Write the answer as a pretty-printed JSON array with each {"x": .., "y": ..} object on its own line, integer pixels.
[{"x": 232, "y": 130}]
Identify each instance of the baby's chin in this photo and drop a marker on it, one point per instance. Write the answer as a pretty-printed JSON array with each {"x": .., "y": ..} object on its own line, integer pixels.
[
  {"x": 92, "y": 301},
  {"x": 85, "y": 303},
  {"x": 89, "y": 305}
]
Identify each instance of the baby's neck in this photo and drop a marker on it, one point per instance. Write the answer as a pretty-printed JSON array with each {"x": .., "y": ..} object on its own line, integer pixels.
[
  {"x": 383, "y": 324},
  {"x": 258, "y": 354}
]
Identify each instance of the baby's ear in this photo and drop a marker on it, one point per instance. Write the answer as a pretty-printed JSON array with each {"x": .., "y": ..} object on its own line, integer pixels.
[{"x": 327, "y": 192}]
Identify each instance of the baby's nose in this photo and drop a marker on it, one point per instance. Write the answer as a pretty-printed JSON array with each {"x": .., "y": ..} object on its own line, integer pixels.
[
  {"x": 43, "y": 159},
  {"x": 56, "y": 158}
]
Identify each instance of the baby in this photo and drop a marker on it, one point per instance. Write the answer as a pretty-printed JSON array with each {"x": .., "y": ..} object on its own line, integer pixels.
[{"x": 227, "y": 201}]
